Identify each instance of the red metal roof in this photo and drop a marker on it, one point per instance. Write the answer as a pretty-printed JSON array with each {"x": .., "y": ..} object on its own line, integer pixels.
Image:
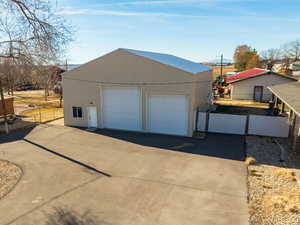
[{"x": 246, "y": 74}]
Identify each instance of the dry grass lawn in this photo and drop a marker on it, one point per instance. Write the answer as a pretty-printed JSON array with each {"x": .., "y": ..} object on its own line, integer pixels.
[
  {"x": 250, "y": 161},
  {"x": 33, "y": 107},
  {"x": 245, "y": 103},
  {"x": 36, "y": 98},
  {"x": 42, "y": 115},
  {"x": 217, "y": 70}
]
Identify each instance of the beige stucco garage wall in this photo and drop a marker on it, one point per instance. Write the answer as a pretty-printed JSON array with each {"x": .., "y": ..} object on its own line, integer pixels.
[
  {"x": 82, "y": 86},
  {"x": 244, "y": 90}
]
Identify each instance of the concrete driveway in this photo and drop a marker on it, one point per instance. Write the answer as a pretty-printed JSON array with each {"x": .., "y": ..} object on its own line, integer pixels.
[{"x": 154, "y": 179}]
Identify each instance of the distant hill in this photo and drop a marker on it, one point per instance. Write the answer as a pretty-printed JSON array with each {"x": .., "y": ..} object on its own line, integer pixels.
[
  {"x": 218, "y": 61},
  {"x": 70, "y": 66}
]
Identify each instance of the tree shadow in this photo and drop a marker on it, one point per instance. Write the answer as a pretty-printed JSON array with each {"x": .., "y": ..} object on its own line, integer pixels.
[
  {"x": 16, "y": 135},
  {"x": 65, "y": 216}
]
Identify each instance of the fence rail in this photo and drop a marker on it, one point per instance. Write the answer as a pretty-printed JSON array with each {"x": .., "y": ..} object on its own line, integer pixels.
[{"x": 42, "y": 115}]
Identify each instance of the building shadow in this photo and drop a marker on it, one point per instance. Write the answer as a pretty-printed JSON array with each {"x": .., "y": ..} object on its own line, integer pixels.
[
  {"x": 242, "y": 110},
  {"x": 214, "y": 145}
]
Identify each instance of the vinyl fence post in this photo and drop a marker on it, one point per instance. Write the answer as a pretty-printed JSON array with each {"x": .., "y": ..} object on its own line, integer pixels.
[
  {"x": 247, "y": 125},
  {"x": 197, "y": 120},
  {"x": 207, "y": 121}
]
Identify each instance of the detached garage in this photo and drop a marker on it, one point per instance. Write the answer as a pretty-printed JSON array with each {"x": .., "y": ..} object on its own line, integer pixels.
[{"x": 137, "y": 91}]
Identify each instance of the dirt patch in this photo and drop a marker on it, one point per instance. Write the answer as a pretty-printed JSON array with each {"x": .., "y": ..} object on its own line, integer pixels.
[
  {"x": 273, "y": 190},
  {"x": 10, "y": 174}
]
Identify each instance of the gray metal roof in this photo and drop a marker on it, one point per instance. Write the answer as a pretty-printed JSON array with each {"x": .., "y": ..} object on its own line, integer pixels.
[
  {"x": 171, "y": 60},
  {"x": 289, "y": 93}
]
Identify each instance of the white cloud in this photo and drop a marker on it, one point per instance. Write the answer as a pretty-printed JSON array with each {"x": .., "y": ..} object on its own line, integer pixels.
[
  {"x": 70, "y": 11},
  {"x": 103, "y": 12},
  {"x": 181, "y": 2}
]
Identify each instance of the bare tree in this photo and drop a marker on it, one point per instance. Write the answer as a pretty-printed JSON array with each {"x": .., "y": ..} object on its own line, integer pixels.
[
  {"x": 285, "y": 66},
  {"x": 292, "y": 50},
  {"x": 270, "y": 57},
  {"x": 59, "y": 91},
  {"x": 30, "y": 29}
]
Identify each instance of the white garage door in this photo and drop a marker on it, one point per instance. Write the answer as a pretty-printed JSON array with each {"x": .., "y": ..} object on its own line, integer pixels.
[
  {"x": 168, "y": 114},
  {"x": 121, "y": 108}
]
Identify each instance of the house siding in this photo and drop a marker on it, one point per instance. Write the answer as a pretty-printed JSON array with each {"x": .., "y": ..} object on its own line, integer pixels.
[
  {"x": 83, "y": 86},
  {"x": 244, "y": 90}
]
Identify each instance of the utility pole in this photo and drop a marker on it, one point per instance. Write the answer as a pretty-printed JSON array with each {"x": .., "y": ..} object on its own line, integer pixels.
[
  {"x": 222, "y": 65},
  {"x": 66, "y": 65},
  {"x": 3, "y": 107}
]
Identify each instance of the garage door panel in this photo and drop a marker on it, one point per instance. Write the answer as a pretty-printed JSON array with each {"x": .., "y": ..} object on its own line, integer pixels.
[
  {"x": 168, "y": 114},
  {"x": 121, "y": 108}
]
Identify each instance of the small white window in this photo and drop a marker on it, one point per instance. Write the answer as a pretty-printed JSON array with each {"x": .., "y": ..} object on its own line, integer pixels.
[{"x": 77, "y": 112}]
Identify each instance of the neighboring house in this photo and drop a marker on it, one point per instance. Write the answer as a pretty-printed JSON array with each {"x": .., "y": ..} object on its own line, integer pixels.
[
  {"x": 137, "y": 90},
  {"x": 57, "y": 74},
  {"x": 293, "y": 69},
  {"x": 230, "y": 74},
  {"x": 59, "y": 70},
  {"x": 289, "y": 94},
  {"x": 252, "y": 84}
]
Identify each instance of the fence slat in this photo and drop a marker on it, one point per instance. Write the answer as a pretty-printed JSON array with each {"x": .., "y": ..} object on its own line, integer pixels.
[
  {"x": 273, "y": 126},
  {"x": 227, "y": 123}
]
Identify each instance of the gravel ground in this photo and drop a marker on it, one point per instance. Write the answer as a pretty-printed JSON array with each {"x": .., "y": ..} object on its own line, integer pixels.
[
  {"x": 9, "y": 176},
  {"x": 273, "y": 186}
]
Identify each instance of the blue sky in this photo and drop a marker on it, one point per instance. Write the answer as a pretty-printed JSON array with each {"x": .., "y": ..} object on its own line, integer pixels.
[{"x": 199, "y": 30}]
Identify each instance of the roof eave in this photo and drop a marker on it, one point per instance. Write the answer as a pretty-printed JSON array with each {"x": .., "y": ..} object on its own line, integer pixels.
[{"x": 280, "y": 97}]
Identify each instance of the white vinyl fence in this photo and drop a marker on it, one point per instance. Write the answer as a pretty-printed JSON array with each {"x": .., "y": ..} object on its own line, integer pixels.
[
  {"x": 226, "y": 123},
  {"x": 273, "y": 126}
]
